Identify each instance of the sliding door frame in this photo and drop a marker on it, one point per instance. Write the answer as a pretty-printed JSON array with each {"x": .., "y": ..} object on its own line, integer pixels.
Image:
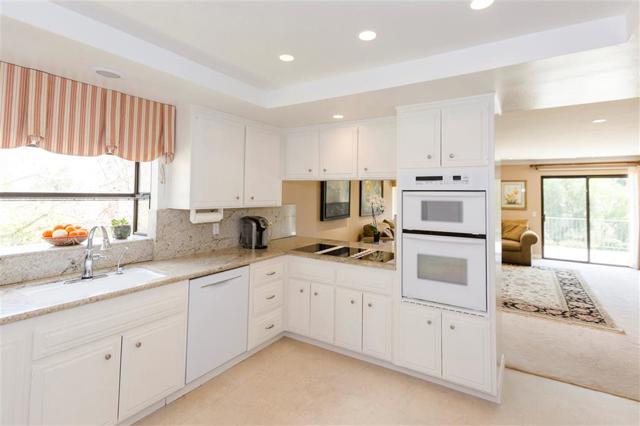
[{"x": 588, "y": 210}]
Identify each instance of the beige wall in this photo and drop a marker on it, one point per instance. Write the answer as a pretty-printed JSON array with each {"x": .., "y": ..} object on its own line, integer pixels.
[
  {"x": 534, "y": 201},
  {"x": 306, "y": 196}
]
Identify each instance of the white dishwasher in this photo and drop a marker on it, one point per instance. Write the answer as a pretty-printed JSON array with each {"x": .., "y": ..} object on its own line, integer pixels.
[{"x": 218, "y": 316}]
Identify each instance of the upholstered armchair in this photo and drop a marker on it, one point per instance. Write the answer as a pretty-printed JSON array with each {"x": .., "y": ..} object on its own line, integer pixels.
[{"x": 517, "y": 240}]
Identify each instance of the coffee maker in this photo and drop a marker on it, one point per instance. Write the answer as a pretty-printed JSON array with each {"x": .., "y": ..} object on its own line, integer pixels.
[{"x": 254, "y": 232}]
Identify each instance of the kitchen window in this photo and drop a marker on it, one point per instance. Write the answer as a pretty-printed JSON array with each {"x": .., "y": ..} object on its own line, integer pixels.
[{"x": 39, "y": 189}]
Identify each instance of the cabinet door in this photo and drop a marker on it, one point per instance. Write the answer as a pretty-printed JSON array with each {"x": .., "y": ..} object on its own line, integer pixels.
[
  {"x": 153, "y": 364},
  {"x": 465, "y": 350},
  {"x": 348, "y": 319},
  {"x": 78, "y": 386},
  {"x": 419, "y": 139},
  {"x": 377, "y": 149},
  {"x": 298, "y": 306},
  {"x": 321, "y": 315},
  {"x": 301, "y": 155},
  {"x": 262, "y": 183},
  {"x": 376, "y": 326},
  {"x": 217, "y": 158},
  {"x": 465, "y": 134},
  {"x": 338, "y": 152},
  {"x": 419, "y": 340}
]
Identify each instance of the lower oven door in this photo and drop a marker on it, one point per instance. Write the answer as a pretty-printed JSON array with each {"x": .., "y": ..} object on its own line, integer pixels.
[{"x": 446, "y": 270}]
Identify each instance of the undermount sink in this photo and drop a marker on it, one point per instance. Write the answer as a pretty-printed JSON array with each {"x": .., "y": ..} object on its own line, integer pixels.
[{"x": 63, "y": 291}]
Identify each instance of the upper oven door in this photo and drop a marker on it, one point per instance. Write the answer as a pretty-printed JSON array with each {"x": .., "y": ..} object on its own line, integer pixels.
[{"x": 460, "y": 212}]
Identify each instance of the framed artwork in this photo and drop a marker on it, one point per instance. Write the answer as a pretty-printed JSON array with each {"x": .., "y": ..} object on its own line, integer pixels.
[
  {"x": 335, "y": 199},
  {"x": 514, "y": 194},
  {"x": 370, "y": 189}
]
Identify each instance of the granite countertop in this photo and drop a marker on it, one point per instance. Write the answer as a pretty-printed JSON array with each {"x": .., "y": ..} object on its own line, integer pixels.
[{"x": 40, "y": 297}]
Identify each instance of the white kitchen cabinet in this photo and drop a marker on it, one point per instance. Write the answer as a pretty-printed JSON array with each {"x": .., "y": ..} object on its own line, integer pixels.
[
  {"x": 321, "y": 312},
  {"x": 338, "y": 148},
  {"x": 78, "y": 386},
  {"x": 348, "y": 319},
  {"x": 376, "y": 326},
  {"x": 217, "y": 159},
  {"x": 465, "y": 350},
  {"x": 298, "y": 306},
  {"x": 465, "y": 134},
  {"x": 153, "y": 360},
  {"x": 419, "y": 339},
  {"x": 419, "y": 138},
  {"x": 262, "y": 172},
  {"x": 377, "y": 149},
  {"x": 301, "y": 154}
]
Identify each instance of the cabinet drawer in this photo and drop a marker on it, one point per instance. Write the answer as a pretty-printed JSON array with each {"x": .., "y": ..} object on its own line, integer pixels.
[
  {"x": 267, "y": 298},
  {"x": 265, "y": 272},
  {"x": 265, "y": 328},
  {"x": 368, "y": 279},
  {"x": 312, "y": 270}
]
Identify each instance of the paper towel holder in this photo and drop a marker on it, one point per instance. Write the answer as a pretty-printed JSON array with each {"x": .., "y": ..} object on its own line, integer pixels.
[{"x": 205, "y": 215}]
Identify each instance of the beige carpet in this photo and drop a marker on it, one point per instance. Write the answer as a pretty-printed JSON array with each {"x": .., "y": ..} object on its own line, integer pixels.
[
  {"x": 585, "y": 356},
  {"x": 292, "y": 383},
  {"x": 552, "y": 293}
]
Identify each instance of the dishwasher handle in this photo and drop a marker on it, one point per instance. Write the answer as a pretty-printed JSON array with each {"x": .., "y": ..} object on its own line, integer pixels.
[{"x": 220, "y": 282}]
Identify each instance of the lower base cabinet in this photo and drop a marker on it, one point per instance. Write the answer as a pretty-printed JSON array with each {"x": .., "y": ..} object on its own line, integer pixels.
[
  {"x": 298, "y": 306},
  {"x": 376, "y": 325},
  {"x": 321, "y": 312},
  {"x": 348, "y": 319},
  {"x": 419, "y": 339},
  {"x": 78, "y": 386},
  {"x": 151, "y": 360}
]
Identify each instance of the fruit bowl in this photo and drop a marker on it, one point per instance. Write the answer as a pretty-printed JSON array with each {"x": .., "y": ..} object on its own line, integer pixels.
[{"x": 65, "y": 241}]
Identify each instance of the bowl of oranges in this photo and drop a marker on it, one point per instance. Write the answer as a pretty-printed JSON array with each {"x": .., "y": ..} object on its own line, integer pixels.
[{"x": 65, "y": 235}]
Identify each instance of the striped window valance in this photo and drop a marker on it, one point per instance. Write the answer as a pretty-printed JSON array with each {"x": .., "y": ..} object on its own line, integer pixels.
[{"x": 70, "y": 117}]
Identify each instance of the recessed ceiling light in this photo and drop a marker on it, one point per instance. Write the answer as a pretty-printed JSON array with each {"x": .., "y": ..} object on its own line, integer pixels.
[
  {"x": 599, "y": 120},
  {"x": 104, "y": 72},
  {"x": 285, "y": 57},
  {"x": 338, "y": 116},
  {"x": 367, "y": 35},
  {"x": 480, "y": 4}
]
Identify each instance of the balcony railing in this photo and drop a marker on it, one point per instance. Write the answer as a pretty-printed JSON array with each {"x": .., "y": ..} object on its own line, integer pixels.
[{"x": 606, "y": 234}]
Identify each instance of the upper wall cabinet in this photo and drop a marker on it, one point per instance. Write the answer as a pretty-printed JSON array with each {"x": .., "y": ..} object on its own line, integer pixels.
[
  {"x": 222, "y": 161},
  {"x": 363, "y": 150},
  {"x": 338, "y": 147},
  {"x": 262, "y": 179},
  {"x": 453, "y": 133},
  {"x": 301, "y": 154},
  {"x": 377, "y": 149}
]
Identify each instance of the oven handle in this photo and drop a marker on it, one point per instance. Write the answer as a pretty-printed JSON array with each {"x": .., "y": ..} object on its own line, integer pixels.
[
  {"x": 444, "y": 234},
  {"x": 454, "y": 238}
]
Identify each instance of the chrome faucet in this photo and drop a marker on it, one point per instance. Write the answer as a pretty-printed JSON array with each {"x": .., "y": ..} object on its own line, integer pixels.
[{"x": 89, "y": 256}]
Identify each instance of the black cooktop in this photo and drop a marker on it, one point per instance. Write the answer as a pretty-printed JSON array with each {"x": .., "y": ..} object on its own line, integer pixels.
[
  {"x": 345, "y": 252},
  {"x": 314, "y": 248}
]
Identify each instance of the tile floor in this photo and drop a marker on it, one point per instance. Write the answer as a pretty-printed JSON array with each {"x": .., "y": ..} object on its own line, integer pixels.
[{"x": 293, "y": 383}]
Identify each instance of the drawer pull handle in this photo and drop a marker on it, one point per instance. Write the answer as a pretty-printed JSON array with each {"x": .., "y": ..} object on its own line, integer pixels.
[
  {"x": 453, "y": 327},
  {"x": 352, "y": 301},
  {"x": 269, "y": 327},
  {"x": 138, "y": 344},
  {"x": 271, "y": 297},
  {"x": 107, "y": 357},
  {"x": 271, "y": 273},
  {"x": 429, "y": 322}
]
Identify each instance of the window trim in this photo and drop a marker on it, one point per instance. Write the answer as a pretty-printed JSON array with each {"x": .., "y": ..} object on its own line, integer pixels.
[{"x": 89, "y": 196}]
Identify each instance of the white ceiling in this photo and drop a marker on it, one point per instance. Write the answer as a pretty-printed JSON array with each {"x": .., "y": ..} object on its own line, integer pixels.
[
  {"x": 244, "y": 39},
  {"x": 568, "y": 132}
]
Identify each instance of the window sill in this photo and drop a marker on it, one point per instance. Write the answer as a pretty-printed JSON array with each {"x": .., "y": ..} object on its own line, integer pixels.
[{"x": 46, "y": 247}]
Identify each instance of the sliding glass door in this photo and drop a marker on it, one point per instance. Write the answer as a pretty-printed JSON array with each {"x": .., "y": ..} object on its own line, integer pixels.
[{"x": 585, "y": 218}]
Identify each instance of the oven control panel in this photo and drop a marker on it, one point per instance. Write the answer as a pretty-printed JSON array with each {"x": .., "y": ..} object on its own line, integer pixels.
[{"x": 442, "y": 179}]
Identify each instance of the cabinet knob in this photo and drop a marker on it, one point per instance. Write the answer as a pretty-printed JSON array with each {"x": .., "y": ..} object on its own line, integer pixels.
[
  {"x": 428, "y": 322},
  {"x": 451, "y": 156},
  {"x": 237, "y": 197},
  {"x": 366, "y": 169},
  {"x": 324, "y": 170},
  {"x": 429, "y": 157},
  {"x": 315, "y": 293},
  {"x": 107, "y": 357},
  {"x": 370, "y": 305},
  {"x": 353, "y": 301},
  {"x": 301, "y": 290},
  {"x": 310, "y": 170},
  {"x": 138, "y": 344},
  {"x": 252, "y": 197},
  {"x": 453, "y": 327}
]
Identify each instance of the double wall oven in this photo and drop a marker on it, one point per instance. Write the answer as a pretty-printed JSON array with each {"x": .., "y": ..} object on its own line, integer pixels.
[{"x": 444, "y": 247}]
